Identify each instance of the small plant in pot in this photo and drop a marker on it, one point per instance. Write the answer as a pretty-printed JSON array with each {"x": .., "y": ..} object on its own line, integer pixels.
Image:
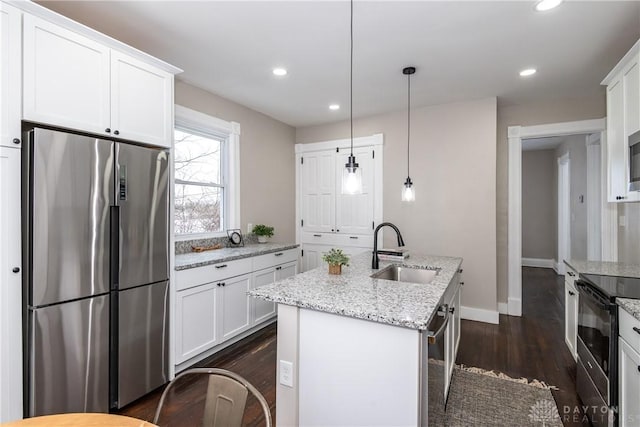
[
  {"x": 263, "y": 232},
  {"x": 336, "y": 259}
]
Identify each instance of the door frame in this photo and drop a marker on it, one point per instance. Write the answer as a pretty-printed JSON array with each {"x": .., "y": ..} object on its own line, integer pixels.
[
  {"x": 515, "y": 136},
  {"x": 594, "y": 197},
  {"x": 564, "y": 212}
]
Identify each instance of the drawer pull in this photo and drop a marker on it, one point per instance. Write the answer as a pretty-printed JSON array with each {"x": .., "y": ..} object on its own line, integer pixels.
[
  {"x": 279, "y": 254},
  {"x": 221, "y": 266},
  {"x": 353, "y": 237},
  {"x": 570, "y": 273},
  {"x": 317, "y": 235},
  {"x": 635, "y": 328}
]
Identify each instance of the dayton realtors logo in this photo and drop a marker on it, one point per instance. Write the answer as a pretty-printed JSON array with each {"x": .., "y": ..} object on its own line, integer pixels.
[{"x": 544, "y": 411}]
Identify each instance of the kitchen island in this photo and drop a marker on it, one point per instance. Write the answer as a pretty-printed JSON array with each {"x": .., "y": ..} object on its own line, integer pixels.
[{"x": 352, "y": 350}]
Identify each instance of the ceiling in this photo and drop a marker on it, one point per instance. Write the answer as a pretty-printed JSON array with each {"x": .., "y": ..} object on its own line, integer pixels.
[{"x": 462, "y": 50}]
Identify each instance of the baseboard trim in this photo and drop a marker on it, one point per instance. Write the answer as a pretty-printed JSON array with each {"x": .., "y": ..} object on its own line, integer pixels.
[
  {"x": 503, "y": 308},
  {"x": 480, "y": 315},
  {"x": 515, "y": 307},
  {"x": 539, "y": 262}
]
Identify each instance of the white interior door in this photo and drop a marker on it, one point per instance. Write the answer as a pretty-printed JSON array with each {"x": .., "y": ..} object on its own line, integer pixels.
[
  {"x": 354, "y": 213},
  {"x": 318, "y": 191},
  {"x": 564, "y": 213}
]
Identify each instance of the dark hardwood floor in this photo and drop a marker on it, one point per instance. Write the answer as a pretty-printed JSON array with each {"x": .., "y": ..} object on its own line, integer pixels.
[{"x": 531, "y": 346}]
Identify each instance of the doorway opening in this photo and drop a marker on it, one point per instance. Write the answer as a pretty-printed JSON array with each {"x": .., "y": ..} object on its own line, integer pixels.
[{"x": 597, "y": 242}]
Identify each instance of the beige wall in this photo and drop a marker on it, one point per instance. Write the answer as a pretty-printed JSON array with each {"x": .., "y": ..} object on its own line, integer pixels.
[
  {"x": 530, "y": 114},
  {"x": 267, "y": 160},
  {"x": 453, "y": 167},
  {"x": 539, "y": 208}
]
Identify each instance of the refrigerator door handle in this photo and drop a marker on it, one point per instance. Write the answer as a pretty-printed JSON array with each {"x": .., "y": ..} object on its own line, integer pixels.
[{"x": 115, "y": 246}]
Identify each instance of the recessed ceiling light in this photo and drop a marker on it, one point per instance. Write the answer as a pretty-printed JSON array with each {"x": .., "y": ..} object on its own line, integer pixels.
[
  {"x": 527, "y": 72},
  {"x": 543, "y": 5},
  {"x": 280, "y": 71},
  {"x": 334, "y": 107}
]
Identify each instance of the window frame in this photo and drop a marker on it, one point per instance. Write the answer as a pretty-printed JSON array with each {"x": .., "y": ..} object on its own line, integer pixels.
[{"x": 228, "y": 133}]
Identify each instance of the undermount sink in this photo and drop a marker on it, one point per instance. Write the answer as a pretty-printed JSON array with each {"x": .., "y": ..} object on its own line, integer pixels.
[{"x": 403, "y": 273}]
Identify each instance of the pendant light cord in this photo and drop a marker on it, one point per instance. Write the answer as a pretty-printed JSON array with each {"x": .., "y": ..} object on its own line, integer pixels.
[
  {"x": 351, "y": 80},
  {"x": 408, "y": 118}
]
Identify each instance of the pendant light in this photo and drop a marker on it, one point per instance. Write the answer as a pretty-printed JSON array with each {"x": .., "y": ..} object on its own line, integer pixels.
[
  {"x": 352, "y": 174},
  {"x": 408, "y": 191}
]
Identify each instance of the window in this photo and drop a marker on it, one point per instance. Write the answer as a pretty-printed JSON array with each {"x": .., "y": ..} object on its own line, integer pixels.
[{"x": 205, "y": 175}]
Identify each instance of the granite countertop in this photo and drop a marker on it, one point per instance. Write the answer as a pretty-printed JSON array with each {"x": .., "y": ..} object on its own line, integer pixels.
[
  {"x": 631, "y": 306},
  {"x": 604, "y": 268},
  {"x": 199, "y": 259},
  {"x": 355, "y": 294}
]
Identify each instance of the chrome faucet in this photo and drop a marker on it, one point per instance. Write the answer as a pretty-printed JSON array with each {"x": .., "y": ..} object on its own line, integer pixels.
[{"x": 375, "y": 261}]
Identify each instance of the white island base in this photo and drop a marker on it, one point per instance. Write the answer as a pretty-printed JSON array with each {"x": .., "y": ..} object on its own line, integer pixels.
[{"x": 348, "y": 372}]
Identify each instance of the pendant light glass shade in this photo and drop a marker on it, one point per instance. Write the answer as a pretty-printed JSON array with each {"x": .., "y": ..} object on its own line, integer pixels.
[
  {"x": 352, "y": 177},
  {"x": 408, "y": 191},
  {"x": 352, "y": 174}
]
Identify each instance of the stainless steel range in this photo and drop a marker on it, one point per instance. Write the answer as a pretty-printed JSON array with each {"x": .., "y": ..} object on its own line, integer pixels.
[{"x": 597, "y": 366}]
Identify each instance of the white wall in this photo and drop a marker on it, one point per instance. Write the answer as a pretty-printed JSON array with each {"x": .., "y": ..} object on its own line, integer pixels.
[
  {"x": 453, "y": 167},
  {"x": 577, "y": 149},
  {"x": 267, "y": 160}
]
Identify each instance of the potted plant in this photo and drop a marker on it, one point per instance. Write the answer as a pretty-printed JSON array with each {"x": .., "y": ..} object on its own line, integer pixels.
[
  {"x": 263, "y": 232},
  {"x": 336, "y": 259}
]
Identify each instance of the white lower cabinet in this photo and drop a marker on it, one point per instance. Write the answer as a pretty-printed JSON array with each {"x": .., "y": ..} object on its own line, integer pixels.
[
  {"x": 212, "y": 309},
  {"x": 196, "y": 323},
  {"x": 234, "y": 306},
  {"x": 571, "y": 314},
  {"x": 312, "y": 256},
  {"x": 265, "y": 310},
  {"x": 629, "y": 385},
  {"x": 452, "y": 337}
]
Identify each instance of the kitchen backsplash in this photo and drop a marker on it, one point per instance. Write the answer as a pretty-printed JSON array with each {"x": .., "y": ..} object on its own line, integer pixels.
[{"x": 184, "y": 246}]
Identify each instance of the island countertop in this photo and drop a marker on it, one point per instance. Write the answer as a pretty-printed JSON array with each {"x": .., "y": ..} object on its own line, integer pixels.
[{"x": 355, "y": 294}]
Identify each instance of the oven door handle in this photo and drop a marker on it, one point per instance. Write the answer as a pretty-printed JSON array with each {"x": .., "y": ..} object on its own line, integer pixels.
[{"x": 587, "y": 290}]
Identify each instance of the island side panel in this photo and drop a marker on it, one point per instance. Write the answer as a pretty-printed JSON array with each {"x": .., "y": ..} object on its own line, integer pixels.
[
  {"x": 357, "y": 372},
  {"x": 287, "y": 351}
]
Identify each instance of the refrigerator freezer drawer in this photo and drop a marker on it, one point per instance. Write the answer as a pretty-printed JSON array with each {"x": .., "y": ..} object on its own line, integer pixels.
[
  {"x": 143, "y": 351},
  {"x": 70, "y": 357}
]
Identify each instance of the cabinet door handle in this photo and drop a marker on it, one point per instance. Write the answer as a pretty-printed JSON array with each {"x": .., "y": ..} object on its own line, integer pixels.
[
  {"x": 572, "y": 293},
  {"x": 116, "y": 132},
  {"x": 318, "y": 235},
  {"x": 460, "y": 271},
  {"x": 452, "y": 310},
  {"x": 16, "y": 269},
  {"x": 278, "y": 268},
  {"x": 218, "y": 284},
  {"x": 221, "y": 266},
  {"x": 108, "y": 130},
  {"x": 279, "y": 254},
  {"x": 635, "y": 328},
  {"x": 16, "y": 141},
  {"x": 353, "y": 237},
  {"x": 223, "y": 283},
  {"x": 461, "y": 283},
  {"x": 337, "y": 230},
  {"x": 570, "y": 273},
  {"x": 638, "y": 368}
]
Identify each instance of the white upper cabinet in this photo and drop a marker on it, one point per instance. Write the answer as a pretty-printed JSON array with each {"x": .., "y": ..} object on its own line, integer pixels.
[
  {"x": 623, "y": 119},
  {"x": 141, "y": 100},
  {"x": 75, "y": 82},
  {"x": 66, "y": 78},
  {"x": 10, "y": 68}
]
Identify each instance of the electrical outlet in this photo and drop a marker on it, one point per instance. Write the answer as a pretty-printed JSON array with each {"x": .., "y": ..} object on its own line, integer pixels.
[
  {"x": 622, "y": 221},
  {"x": 249, "y": 228},
  {"x": 286, "y": 373}
]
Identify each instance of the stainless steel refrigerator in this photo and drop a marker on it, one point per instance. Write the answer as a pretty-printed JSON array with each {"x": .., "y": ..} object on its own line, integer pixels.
[{"x": 96, "y": 288}]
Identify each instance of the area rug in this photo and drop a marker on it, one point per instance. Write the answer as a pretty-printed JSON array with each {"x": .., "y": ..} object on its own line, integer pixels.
[{"x": 486, "y": 398}]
